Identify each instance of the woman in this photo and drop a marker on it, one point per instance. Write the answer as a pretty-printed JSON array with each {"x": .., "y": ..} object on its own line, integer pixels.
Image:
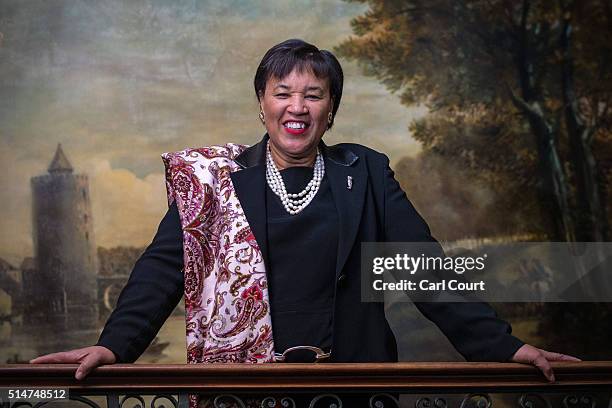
[{"x": 269, "y": 236}]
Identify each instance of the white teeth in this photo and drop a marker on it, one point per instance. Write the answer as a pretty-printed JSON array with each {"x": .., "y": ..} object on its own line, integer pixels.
[{"x": 295, "y": 125}]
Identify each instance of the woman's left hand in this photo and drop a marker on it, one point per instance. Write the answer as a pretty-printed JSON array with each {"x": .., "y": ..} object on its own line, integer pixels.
[{"x": 528, "y": 354}]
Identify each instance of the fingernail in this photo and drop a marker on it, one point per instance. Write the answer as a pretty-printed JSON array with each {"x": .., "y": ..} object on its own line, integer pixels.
[{"x": 78, "y": 375}]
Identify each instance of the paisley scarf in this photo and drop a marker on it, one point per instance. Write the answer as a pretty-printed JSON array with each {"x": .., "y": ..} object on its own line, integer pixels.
[{"x": 227, "y": 308}]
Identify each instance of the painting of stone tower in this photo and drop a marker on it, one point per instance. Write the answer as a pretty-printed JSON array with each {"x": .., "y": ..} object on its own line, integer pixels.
[{"x": 62, "y": 288}]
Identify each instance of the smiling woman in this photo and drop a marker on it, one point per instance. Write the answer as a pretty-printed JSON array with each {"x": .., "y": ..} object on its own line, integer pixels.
[
  {"x": 264, "y": 242},
  {"x": 299, "y": 96},
  {"x": 297, "y": 110}
]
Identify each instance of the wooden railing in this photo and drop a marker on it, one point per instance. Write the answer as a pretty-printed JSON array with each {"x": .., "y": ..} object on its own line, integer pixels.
[{"x": 435, "y": 385}]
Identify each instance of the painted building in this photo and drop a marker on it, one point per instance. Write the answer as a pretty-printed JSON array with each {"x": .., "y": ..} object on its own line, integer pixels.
[{"x": 63, "y": 293}]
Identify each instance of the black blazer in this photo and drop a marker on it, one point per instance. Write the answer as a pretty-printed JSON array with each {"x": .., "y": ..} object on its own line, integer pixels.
[{"x": 375, "y": 208}]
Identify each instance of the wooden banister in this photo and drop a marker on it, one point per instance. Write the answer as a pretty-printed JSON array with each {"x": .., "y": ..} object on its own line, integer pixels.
[{"x": 437, "y": 377}]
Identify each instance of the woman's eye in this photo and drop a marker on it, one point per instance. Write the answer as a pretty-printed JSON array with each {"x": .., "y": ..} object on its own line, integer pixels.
[
  {"x": 314, "y": 97},
  {"x": 282, "y": 95}
]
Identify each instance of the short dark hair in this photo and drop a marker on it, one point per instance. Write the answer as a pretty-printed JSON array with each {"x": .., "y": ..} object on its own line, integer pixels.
[{"x": 280, "y": 60}]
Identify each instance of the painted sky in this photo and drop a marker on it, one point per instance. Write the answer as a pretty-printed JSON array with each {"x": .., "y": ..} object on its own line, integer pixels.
[{"x": 118, "y": 83}]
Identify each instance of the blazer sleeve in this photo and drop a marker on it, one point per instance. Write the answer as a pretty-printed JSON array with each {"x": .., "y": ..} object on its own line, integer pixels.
[
  {"x": 152, "y": 292},
  {"x": 472, "y": 327}
]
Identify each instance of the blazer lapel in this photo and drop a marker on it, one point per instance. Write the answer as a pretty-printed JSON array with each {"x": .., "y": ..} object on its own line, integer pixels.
[
  {"x": 250, "y": 186},
  {"x": 347, "y": 177}
]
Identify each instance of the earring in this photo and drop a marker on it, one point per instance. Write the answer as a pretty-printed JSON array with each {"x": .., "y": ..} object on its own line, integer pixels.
[
  {"x": 261, "y": 116},
  {"x": 330, "y": 118}
]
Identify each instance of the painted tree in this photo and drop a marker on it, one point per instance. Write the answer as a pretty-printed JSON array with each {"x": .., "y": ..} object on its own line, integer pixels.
[
  {"x": 519, "y": 88},
  {"x": 586, "y": 74}
]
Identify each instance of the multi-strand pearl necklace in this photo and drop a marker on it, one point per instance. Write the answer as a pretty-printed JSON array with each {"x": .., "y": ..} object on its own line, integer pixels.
[{"x": 294, "y": 203}]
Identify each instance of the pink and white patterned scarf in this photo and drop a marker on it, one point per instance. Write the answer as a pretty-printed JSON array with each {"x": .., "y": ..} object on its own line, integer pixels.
[{"x": 227, "y": 308}]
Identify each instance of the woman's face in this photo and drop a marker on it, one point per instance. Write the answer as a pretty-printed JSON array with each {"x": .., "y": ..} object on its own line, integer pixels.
[{"x": 296, "y": 109}]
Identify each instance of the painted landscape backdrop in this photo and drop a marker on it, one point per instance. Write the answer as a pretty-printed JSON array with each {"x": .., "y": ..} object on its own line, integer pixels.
[{"x": 496, "y": 116}]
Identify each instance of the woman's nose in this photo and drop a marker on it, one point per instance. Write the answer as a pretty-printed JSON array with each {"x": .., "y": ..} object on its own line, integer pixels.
[{"x": 297, "y": 105}]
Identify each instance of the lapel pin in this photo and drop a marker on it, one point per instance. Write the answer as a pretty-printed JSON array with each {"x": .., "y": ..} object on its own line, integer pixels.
[{"x": 349, "y": 182}]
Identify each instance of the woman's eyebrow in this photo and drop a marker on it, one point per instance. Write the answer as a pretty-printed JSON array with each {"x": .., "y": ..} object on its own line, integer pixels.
[
  {"x": 314, "y": 88},
  {"x": 310, "y": 88}
]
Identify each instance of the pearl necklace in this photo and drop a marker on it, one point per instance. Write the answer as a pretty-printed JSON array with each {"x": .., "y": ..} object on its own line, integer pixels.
[{"x": 294, "y": 203}]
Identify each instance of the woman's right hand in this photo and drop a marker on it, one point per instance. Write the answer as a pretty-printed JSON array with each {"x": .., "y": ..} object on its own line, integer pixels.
[{"x": 88, "y": 358}]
